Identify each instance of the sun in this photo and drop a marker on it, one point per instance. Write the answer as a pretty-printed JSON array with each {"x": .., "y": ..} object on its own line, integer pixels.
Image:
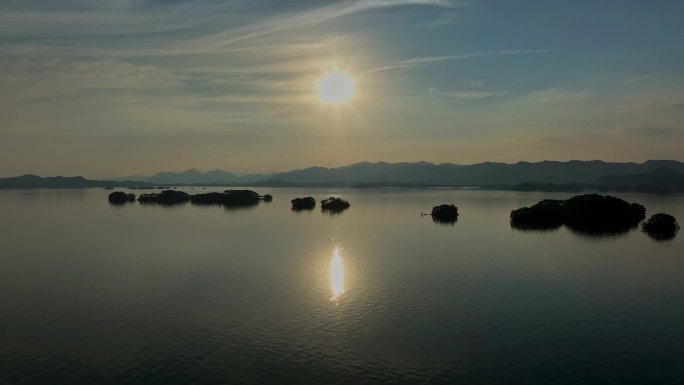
[{"x": 335, "y": 88}]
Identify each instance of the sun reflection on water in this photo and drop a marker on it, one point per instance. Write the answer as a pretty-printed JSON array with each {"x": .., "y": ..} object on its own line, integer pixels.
[{"x": 336, "y": 274}]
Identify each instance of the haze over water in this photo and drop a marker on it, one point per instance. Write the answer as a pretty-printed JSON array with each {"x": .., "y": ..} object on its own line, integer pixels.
[{"x": 133, "y": 294}]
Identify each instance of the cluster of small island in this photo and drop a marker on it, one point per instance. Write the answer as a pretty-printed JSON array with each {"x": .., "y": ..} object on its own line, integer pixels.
[
  {"x": 332, "y": 204},
  {"x": 590, "y": 214},
  {"x": 234, "y": 198},
  {"x": 593, "y": 215}
]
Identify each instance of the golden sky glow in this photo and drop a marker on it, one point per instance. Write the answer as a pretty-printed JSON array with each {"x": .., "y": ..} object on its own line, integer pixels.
[{"x": 127, "y": 87}]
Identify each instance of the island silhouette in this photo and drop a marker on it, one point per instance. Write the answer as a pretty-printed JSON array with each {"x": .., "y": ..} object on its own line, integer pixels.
[
  {"x": 334, "y": 205},
  {"x": 306, "y": 203},
  {"x": 444, "y": 213},
  {"x": 592, "y": 215},
  {"x": 661, "y": 227},
  {"x": 236, "y": 198}
]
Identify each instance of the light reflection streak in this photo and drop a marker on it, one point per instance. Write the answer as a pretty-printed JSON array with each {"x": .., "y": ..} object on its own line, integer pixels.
[{"x": 336, "y": 275}]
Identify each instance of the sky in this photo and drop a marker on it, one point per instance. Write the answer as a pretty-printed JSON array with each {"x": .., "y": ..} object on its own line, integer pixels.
[{"x": 120, "y": 87}]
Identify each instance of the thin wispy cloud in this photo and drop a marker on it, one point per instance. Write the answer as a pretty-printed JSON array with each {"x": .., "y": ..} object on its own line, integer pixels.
[
  {"x": 555, "y": 95},
  {"x": 319, "y": 15},
  {"x": 467, "y": 94},
  {"x": 676, "y": 105},
  {"x": 442, "y": 21},
  {"x": 419, "y": 61},
  {"x": 653, "y": 131},
  {"x": 60, "y": 24},
  {"x": 432, "y": 59}
]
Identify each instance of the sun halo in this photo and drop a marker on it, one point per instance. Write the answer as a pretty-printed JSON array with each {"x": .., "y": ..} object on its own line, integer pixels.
[{"x": 335, "y": 88}]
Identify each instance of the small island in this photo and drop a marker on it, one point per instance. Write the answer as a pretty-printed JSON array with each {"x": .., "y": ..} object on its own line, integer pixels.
[
  {"x": 334, "y": 205},
  {"x": 166, "y": 197},
  {"x": 661, "y": 226},
  {"x": 120, "y": 197},
  {"x": 229, "y": 198},
  {"x": 544, "y": 215},
  {"x": 307, "y": 203},
  {"x": 444, "y": 213},
  {"x": 590, "y": 214}
]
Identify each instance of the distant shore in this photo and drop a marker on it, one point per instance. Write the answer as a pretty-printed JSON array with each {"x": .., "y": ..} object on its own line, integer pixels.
[{"x": 653, "y": 176}]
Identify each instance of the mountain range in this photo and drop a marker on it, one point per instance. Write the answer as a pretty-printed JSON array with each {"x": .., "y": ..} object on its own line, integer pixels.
[
  {"x": 194, "y": 176},
  {"x": 479, "y": 174},
  {"x": 424, "y": 173},
  {"x": 650, "y": 176},
  {"x": 58, "y": 182}
]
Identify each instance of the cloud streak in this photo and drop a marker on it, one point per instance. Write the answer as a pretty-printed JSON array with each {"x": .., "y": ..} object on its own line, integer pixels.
[
  {"x": 420, "y": 61},
  {"x": 555, "y": 95},
  {"x": 475, "y": 55},
  {"x": 467, "y": 94},
  {"x": 319, "y": 15},
  {"x": 654, "y": 131},
  {"x": 672, "y": 105}
]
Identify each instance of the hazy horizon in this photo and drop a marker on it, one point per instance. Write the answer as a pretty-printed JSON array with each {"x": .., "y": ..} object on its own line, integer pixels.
[
  {"x": 276, "y": 171},
  {"x": 141, "y": 86}
]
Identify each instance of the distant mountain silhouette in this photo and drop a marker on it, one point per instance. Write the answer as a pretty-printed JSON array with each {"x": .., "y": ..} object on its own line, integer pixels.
[
  {"x": 571, "y": 176},
  {"x": 34, "y": 181},
  {"x": 194, "y": 176},
  {"x": 480, "y": 174},
  {"x": 365, "y": 172},
  {"x": 664, "y": 179}
]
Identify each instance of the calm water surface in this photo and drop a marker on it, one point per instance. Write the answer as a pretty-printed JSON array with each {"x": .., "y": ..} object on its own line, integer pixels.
[{"x": 97, "y": 294}]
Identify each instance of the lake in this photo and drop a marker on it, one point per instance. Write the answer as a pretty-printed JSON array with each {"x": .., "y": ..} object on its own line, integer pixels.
[{"x": 92, "y": 293}]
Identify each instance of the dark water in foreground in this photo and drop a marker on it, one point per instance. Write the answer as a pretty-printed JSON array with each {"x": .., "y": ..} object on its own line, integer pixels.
[{"x": 96, "y": 294}]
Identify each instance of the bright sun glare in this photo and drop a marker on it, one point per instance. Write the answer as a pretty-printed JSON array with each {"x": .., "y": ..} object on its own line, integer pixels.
[{"x": 335, "y": 88}]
